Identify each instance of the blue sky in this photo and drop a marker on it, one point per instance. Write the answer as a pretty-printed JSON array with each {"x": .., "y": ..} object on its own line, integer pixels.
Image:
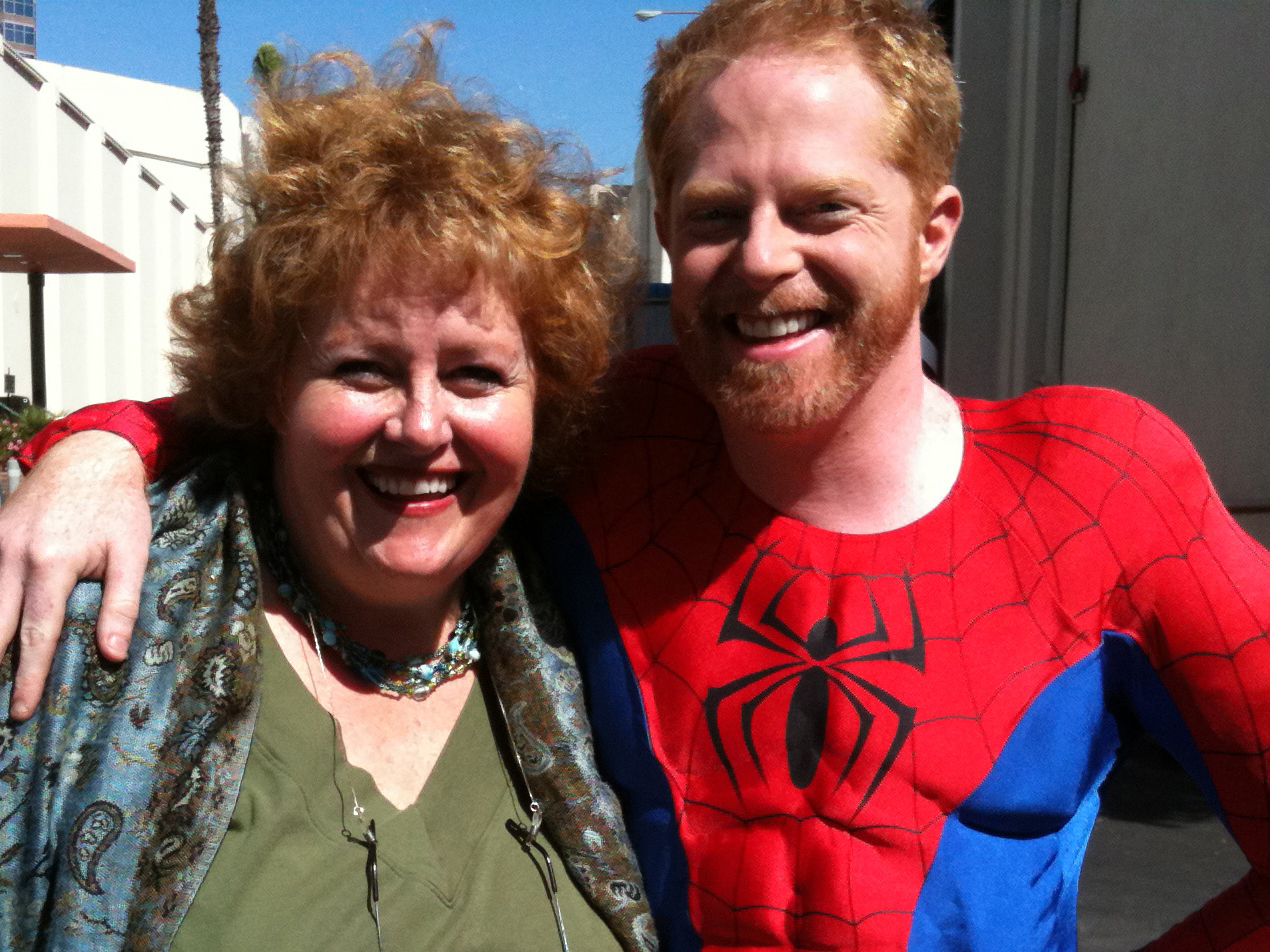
[{"x": 572, "y": 66}]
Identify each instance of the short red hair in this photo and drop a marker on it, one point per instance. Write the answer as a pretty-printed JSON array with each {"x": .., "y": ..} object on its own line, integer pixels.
[{"x": 901, "y": 48}]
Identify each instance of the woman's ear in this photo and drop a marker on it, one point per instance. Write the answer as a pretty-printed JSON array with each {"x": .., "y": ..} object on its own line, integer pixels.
[{"x": 273, "y": 411}]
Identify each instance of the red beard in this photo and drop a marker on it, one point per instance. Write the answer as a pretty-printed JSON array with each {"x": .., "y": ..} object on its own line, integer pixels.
[{"x": 780, "y": 396}]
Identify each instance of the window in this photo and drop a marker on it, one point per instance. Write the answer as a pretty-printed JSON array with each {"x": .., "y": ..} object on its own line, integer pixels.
[
  {"x": 19, "y": 35},
  {"x": 22, "y": 8}
]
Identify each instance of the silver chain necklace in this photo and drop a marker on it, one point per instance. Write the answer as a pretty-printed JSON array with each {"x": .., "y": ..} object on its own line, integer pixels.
[
  {"x": 368, "y": 839},
  {"x": 414, "y": 677}
]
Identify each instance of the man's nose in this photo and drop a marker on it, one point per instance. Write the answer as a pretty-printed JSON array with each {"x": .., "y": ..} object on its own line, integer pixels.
[{"x": 770, "y": 250}]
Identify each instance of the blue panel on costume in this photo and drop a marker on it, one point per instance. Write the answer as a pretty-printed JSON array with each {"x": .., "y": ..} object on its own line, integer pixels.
[
  {"x": 1006, "y": 871},
  {"x": 617, "y": 718}
]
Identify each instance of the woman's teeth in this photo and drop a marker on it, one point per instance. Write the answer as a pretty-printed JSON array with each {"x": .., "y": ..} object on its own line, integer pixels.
[
  {"x": 395, "y": 486},
  {"x": 764, "y": 328}
]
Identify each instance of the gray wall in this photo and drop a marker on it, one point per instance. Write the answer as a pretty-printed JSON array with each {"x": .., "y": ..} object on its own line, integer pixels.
[{"x": 1122, "y": 240}]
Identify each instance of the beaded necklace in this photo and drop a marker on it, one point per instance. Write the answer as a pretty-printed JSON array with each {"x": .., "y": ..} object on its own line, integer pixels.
[{"x": 415, "y": 677}]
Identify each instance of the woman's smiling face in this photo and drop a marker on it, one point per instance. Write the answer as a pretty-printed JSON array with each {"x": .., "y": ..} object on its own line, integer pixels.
[{"x": 404, "y": 426}]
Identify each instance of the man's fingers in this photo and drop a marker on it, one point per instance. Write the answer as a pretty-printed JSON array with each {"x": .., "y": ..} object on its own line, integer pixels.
[
  {"x": 42, "y": 614},
  {"x": 119, "y": 601},
  {"x": 11, "y": 580},
  {"x": 80, "y": 513}
]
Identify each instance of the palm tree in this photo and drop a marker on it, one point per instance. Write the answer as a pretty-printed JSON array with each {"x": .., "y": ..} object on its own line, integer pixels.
[
  {"x": 209, "y": 74},
  {"x": 268, "y": 66}
]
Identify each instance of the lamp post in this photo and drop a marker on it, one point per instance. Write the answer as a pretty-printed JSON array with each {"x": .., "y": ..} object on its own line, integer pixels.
[{"x": 649, "y": 14}]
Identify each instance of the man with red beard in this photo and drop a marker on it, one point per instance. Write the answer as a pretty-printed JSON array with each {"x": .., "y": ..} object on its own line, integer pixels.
[{"x": 859, "y": 654}]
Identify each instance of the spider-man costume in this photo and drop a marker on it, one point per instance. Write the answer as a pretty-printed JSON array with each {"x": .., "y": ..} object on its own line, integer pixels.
[{"x": 890, "y": 741}]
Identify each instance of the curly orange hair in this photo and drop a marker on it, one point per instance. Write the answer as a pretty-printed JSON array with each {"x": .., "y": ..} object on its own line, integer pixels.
[
  {"x": 900, "y": 47},
  {"x": 359, "y": 168}
]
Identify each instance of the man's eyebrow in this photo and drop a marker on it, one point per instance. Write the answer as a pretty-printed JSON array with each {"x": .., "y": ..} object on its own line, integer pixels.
[
  {"x": 834, "y": 185},
  {"x": 702, "y": 193},
  {"x": 712, "y": 192}
]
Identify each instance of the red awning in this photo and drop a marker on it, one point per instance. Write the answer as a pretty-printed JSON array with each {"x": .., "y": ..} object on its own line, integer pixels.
[{"x": 39, "y": 243}]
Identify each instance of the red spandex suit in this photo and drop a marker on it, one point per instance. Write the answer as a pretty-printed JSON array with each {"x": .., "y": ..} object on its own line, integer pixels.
[{"x": 895, "y": 741}]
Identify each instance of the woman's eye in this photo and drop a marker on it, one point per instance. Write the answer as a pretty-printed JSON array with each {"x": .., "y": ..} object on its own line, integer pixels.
[
  {"x": 477, "y": 377},
  {"x": 715, "y": 213},
  {"x": 361, "y": 372}
]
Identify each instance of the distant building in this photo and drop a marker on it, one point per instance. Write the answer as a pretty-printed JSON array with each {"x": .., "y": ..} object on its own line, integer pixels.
[
  {"x": 163, "y": 126},
  {"x": 639, "y": 212},
  {"x": 123, "y": 163},
  {"x": 17, "y": 25}
]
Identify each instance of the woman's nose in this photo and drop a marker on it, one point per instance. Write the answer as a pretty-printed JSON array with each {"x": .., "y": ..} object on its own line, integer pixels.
[{"x": 423, "y": 420}]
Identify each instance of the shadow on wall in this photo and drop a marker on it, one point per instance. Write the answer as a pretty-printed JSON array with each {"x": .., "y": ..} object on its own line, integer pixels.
[{"x": 1148, "y": 786}]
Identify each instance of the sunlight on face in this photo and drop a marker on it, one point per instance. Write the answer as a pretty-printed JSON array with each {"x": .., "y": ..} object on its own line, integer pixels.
[
  {"x": 792, "y": 238},
  {"x": 404, "y": 427}
]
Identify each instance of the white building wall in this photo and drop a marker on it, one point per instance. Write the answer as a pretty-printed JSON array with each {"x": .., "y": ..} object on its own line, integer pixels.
[
  {"x": 69, "y": 154},
  {"x": 639, "y": 212},
  {"x": 162, "y": 125}
]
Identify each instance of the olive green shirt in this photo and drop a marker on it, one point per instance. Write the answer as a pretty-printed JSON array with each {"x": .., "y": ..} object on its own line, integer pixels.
[{"x": 451, "y": 876}]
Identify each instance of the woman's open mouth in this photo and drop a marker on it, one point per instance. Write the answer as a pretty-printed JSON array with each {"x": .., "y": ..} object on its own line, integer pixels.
[{"x": 407, "y": 488}]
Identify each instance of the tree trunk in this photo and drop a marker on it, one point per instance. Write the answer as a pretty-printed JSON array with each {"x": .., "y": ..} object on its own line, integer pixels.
[{"x": 209, "y": 74}]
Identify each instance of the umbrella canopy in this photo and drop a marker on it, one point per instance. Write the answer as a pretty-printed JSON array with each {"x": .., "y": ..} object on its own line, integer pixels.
[
  {"x": 41, "y": 243},
  {"x": 36, "y": 245}
]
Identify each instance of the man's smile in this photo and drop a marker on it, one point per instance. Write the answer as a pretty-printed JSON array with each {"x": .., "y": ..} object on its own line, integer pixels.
[{"x": 758, "y": 328}]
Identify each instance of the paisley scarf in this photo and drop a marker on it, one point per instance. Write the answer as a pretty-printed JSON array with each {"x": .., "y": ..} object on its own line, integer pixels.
[{"x": 114, "y": 797}]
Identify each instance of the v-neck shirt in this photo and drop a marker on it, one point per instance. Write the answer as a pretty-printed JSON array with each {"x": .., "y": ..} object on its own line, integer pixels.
[{"x": 451, "y": 876}]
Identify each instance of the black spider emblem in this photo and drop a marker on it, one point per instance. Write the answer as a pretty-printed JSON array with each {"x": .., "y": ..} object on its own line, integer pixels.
[{"x": 817, "y": 663}]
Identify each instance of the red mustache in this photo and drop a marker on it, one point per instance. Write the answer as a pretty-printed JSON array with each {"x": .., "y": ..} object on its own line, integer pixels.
[{"x": 774, "y": 303}]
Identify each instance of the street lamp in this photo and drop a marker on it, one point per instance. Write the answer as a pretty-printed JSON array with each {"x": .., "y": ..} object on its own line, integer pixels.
[{"x": 649, "y": 14}]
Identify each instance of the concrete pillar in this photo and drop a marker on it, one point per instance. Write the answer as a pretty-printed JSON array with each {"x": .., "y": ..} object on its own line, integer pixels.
[
  {"x": 86, "y": 329},
  {"x": 44, "y": 149},
  {"x": 156, "y": 337},
  {"x": 129, "y": 324}
]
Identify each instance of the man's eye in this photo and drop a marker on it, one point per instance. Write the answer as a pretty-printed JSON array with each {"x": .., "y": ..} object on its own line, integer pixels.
[
  {"x": 829, "y": 207},
  {"x": 714, "y": 215},
  {"x": 828, "y": 214},
  {"x": 713, "y": 223}
]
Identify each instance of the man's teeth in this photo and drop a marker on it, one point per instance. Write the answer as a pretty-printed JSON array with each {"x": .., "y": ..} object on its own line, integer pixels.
[
  {"x": 392, "y": 486},
  {"x": 760, "y": 328}
]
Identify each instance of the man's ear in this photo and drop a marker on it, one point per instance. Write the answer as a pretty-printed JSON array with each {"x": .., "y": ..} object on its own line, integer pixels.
[
  {"x": 937, "y": 233},
  {"x": 661, "y": 226}
]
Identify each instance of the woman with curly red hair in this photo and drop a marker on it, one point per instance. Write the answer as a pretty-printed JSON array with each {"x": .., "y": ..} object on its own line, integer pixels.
[{"x": 301, "y": 743}]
